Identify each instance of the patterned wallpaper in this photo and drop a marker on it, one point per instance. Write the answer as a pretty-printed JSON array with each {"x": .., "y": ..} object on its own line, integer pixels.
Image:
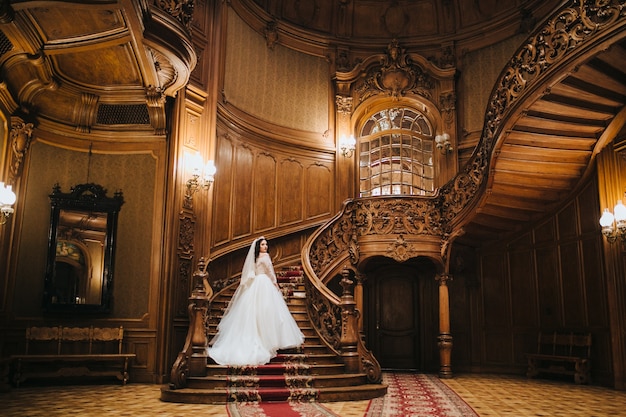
[
  {"x": 135, "y": 176},
  {"x": 480, "y": 71},
  {"x": 278, "y": 85}
]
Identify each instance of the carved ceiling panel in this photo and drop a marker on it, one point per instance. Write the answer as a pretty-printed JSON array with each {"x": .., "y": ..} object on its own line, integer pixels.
[
  {"x": 70, "y": 23},
  {"x": 99, "y": 67},
  {"x": 92, "y": 68}
]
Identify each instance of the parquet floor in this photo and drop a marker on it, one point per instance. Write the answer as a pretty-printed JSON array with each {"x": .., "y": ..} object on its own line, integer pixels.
[{"x": 489, "y": 395}]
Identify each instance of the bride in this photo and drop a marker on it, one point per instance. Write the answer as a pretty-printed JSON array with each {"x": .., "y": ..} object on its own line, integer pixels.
[{"x": 257, "y": 322}]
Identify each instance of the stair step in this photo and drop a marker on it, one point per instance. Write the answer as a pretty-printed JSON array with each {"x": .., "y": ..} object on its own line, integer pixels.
[
  {"x": 273, "y": 369},
  {"x": 222, "y": 395},
  {"x": 277, "y": 381},
  {"x": 310, "y": 372}
]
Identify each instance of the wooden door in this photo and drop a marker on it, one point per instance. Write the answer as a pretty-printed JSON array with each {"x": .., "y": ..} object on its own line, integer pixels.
[{"x": 392, "y": 316}]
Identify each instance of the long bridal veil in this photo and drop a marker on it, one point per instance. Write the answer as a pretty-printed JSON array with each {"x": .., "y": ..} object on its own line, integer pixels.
[{"x": 257, "y": 322}]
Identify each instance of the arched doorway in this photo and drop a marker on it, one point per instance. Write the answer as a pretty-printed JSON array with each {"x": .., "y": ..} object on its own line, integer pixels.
[{"x": 400, "y": 313}]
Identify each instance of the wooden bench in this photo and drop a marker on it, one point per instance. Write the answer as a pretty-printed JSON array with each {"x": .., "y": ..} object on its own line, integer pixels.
[
  {"x": 562, "y": 354},
  {"x": 71, "y": 352}
]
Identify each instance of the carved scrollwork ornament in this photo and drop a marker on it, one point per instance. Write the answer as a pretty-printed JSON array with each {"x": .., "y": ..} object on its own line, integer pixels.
[
  {"x": 353, "y": 249},
  {"x": 344, "y": 104},
  {"x": 181, "y": 10},
  {"x": 155, "y": 96},
  {"x": 395, "y": 76},
  {"x": 446, "y": 59},
  {"x": 185, "y": 235},
  {"x": 401, "y": 250},
  {"x": 558, "y": 38},
  {"x": 271, "y": 34},
  {"x": 447, "y": 106},
  {"x": 326, "y": 317},
  {"x": 21, "y": 137},
  {"x": 180, "y": 369}
]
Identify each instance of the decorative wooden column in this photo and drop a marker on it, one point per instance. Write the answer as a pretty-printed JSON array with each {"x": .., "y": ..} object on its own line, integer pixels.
[
  {"x": 444, "y": 340},
  {"x": 349, "y": 325}
]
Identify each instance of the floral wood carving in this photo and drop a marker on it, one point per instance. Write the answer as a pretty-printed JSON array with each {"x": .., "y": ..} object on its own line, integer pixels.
[
  {"x": 569, "y": 28},
  {"x": 185, "y": 235},
  {"x": 181, "y": 10},
  {"x": 325, "y": 316},
  {"x": 401, "y": 250},
  {"x": 558, "y": 39}
]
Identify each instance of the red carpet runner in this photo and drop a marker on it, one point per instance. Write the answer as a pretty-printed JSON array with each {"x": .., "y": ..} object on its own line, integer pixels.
[
  {"x": 284, "y": 379},
  {"x": 411, "y": 394},
  {"x": 285, "y": 409},
  {"x": 408, "y": 395}
]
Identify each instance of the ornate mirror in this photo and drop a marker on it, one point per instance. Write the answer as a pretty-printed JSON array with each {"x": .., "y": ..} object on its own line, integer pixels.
[{"x": 81, "y": 249}]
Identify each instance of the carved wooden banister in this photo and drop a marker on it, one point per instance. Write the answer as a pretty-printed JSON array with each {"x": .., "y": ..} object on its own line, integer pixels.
[
  {"x": 192, "y": 359},
  {"x": 435, "y": 220},
  {"x": 336, "y": 319}
]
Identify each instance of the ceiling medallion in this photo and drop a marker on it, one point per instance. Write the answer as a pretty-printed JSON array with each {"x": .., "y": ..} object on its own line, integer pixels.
[{"x": 401, "y": 250}]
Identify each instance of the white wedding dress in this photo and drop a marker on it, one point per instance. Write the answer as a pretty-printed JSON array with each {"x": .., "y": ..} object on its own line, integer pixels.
[{"x": 257, "y": 322}]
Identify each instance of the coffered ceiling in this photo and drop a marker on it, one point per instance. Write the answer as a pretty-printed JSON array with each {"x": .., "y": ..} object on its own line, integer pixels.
[{"x": 93, "y": 66}]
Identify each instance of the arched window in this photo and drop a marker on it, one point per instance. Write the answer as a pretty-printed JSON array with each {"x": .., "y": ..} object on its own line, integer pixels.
[{"x": 396, "y": 153}]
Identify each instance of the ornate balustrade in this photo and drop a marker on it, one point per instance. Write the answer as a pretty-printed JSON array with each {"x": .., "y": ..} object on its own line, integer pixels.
[
  {"x": 400, "y": 227},
  {"x": 406, "y": 227}
]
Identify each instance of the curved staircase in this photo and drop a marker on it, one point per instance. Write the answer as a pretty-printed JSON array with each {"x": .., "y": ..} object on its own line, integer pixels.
[{"x": 312, "y": 372}]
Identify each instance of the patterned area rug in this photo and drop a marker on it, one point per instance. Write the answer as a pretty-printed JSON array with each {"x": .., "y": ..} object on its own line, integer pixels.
[
  {"x": 281, "y": 409},
  {"x": 411, "y": 394}
]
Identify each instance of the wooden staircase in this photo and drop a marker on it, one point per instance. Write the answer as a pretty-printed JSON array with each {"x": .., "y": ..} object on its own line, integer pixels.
[{"x": 310, "y": 373}]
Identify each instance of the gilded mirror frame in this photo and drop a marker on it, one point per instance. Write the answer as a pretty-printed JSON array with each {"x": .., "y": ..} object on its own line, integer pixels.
[{"x": 81, "y": 249}]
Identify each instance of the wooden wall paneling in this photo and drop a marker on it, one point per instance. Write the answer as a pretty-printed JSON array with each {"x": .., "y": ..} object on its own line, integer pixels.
[
  {"x": 265, "y": 192},
  {"x": 574, "y": 306},
  {"x": 291, "y": 191},
  {"x": 498, "y": 348},
  {"x": 567, "y": 222},
  {"x": 594, "y": 283},
  {"x": 495, "y": 292},
  {"x": 242, "y": 204},
  {"x": 523, "y": 289},
  {"x": 429, "y": 315},
  {"x": 496, "y": 310},
  {"x": 545, "y": 232},
  {"x": 318, "y": 184},
  {"x": 549, "y": 288},
  {"x": 460, "y": 320},
  {"x": 143, "y": 344},
  {"x": 223, "y": 189}
]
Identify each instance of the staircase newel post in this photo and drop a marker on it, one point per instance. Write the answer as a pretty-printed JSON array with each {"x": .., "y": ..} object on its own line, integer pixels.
[
  {"x": 349, "y": 324},
  {"x": 198, "y": 308}
]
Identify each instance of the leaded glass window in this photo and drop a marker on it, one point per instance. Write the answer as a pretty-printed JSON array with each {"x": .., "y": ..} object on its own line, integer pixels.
[{"x": 396, "y": 154}]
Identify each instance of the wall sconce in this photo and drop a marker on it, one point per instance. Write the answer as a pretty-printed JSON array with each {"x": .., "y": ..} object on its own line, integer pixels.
[
  {"x": 202, "y": 175},
  {"x": 347, "y": 145},
  {"x": 7, "y": 199},
  {"x": 442, "y": 142},
  {"x": 614, "y": 224}
]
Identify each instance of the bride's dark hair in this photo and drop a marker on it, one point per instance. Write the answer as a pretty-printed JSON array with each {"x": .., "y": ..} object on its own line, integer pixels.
[{"x": 257, "y": 247}]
